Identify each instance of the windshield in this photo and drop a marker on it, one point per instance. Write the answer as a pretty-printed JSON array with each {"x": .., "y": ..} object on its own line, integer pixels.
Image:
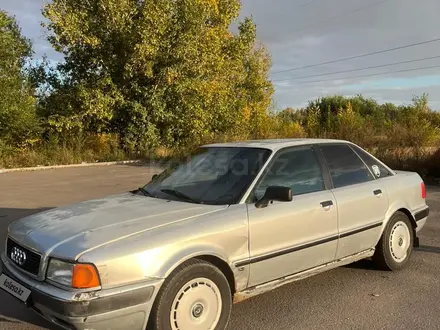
[{"x": 216, "y": 175}]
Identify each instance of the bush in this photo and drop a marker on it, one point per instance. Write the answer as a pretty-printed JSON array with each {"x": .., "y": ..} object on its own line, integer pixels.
[
  {"x": 90, "y": 149},
  {"x": 404, "y": 137}
]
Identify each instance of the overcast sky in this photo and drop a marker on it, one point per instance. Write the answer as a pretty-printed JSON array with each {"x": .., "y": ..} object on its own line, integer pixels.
[{"x": 306, "y": 32}]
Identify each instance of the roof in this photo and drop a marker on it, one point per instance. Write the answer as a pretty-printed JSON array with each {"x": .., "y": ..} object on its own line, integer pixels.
[{"x": 274, "y": 144}]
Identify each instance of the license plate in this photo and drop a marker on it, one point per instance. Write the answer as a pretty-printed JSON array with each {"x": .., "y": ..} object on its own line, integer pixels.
[{"x": 14, "y": 288}]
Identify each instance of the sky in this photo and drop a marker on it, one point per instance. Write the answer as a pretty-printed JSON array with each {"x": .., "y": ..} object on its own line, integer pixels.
[{"x": 302, "y": 33}]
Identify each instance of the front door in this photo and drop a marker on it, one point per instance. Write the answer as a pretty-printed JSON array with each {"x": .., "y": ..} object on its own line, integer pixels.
[{"x": 290, "y": 237}]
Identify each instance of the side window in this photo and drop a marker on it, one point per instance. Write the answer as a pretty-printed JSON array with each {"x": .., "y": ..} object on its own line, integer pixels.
[
  {"x": 377, "y": 168},
  {"x": 296, "y": 168},
  {"x": 345, "y": 167}
]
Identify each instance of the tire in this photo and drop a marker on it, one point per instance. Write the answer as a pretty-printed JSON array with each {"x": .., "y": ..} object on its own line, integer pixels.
[
  {"x": 395, "y": 247},
  {"x": 195, "y": 296}
]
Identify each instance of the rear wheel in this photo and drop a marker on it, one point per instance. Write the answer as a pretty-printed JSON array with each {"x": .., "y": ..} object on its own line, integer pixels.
[
  {"x": 396, "y": 244},
  {"x": 196, "y": 296}
]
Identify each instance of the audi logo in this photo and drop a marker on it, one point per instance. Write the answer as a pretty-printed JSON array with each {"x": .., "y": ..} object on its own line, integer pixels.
[{"x": 18, "y": 256}]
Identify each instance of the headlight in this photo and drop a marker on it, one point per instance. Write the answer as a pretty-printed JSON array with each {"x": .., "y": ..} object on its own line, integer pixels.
[
  {"x": 60, "y": 272},
  {"x": 78, "y": 276}
]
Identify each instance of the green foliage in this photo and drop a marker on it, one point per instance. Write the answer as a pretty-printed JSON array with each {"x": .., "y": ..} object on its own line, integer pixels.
[
  {"x": 406, "y": 137},
  {"x": 156, "y": 72},
  {"x": 366, "y": 122},
  {"x": 18, "y": 121},
  {"x": 159, "y": 78}
]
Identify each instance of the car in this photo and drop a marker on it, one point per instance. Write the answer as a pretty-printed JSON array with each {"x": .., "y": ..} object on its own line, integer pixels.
[{"x": 229, "y": 222}]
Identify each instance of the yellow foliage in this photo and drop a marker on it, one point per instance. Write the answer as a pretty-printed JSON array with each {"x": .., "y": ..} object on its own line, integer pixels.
[
  {"x": 246, "y": 111},
  {"x": 163, "y": 152},
  {"x": 288, "y": 130},
  {"x": 213, "y": 4}
]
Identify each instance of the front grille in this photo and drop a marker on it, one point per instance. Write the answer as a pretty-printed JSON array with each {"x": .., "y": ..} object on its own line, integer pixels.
[{"x": 32, "y": 262}]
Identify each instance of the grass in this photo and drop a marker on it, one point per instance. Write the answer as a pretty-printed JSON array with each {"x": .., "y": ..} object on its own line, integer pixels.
[
  {"x": 88, "y": 149},
  {"x": 59, "y": 156}
]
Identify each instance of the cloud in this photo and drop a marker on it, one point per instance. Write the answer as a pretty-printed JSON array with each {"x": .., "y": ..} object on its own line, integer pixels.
[
  {"x": 295, "y": 38},
  {"x": 400, "y": 83},
  {"x": 29, "y": 17},
  {"x": 304, "y": 32}
]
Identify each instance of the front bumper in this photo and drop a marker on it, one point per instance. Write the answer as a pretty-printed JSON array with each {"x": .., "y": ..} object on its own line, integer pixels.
[{"x": 122, "y": 308}]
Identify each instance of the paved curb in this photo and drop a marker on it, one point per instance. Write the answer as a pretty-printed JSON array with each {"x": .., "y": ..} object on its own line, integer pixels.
[{"x": 42, "y": 168}]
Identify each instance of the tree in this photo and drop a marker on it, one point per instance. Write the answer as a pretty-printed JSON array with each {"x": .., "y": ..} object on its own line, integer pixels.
[
  {"x": 257, "y": 90},
  {"x": 158, "y": 71},
  {"x": 421, "y": 102},
  {"x": 18, "y": 121}
]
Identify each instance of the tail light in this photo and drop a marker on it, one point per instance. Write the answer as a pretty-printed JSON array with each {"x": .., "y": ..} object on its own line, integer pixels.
[{"x": 423, "y": 190}]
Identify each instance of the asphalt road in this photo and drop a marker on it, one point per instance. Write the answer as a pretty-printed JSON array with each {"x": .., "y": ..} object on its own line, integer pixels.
[{"x": 352, "y": 297}]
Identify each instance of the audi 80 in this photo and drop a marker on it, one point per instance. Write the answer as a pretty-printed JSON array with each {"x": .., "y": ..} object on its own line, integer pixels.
[{"x": 229, "y": 222}]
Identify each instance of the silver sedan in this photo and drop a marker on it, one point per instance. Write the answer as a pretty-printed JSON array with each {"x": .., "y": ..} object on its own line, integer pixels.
[{"x": 232, "y": 221}]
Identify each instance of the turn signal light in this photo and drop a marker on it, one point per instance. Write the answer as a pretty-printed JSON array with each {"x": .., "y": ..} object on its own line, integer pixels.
[
  {"x": 84, "y": 277},
  {"x": 423, "y": 190}
]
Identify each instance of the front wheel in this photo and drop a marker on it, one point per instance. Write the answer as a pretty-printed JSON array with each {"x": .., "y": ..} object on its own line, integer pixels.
[
  {"x": 196, "y": 296},
  {"x": 396, "y": 244}
]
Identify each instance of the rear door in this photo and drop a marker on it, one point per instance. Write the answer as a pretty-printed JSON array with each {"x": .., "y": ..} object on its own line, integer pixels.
[{"x": 362, "y": 201}]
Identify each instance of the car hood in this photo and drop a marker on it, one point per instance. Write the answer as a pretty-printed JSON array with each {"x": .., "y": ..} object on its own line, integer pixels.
[{"x": 68, "y": 232}]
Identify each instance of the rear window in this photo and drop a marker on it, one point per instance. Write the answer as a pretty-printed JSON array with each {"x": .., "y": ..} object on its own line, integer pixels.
[
  {"x": 345, "y": 167},
  {"x": 376, "y": 167}
]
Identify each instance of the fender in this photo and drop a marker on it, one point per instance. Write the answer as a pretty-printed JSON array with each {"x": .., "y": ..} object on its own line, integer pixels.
[
  {"x": 393, "y": 208},
  {"x": 177, "y": 257}
]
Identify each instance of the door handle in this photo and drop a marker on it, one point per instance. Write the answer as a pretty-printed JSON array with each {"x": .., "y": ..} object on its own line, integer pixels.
[
  {"x": 326, "y": 204},
  {"x": 377, "y": 192}
]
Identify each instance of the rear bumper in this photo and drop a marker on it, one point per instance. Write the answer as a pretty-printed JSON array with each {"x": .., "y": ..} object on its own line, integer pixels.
[
  {"x": 422, "y": 214},
  {"x": 120, "y": 308},
  {"x": 420, "y": 217}
]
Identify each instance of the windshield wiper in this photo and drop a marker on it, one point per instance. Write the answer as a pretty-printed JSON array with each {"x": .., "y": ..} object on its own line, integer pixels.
[
  {"x": 145, "y": 192},
  {"x": 180, "y": 195}
]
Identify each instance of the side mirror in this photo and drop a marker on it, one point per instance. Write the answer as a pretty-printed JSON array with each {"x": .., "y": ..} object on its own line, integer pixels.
[
  {"x": 275, "y": 193},
  {"x": 154, "y": 176}
]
